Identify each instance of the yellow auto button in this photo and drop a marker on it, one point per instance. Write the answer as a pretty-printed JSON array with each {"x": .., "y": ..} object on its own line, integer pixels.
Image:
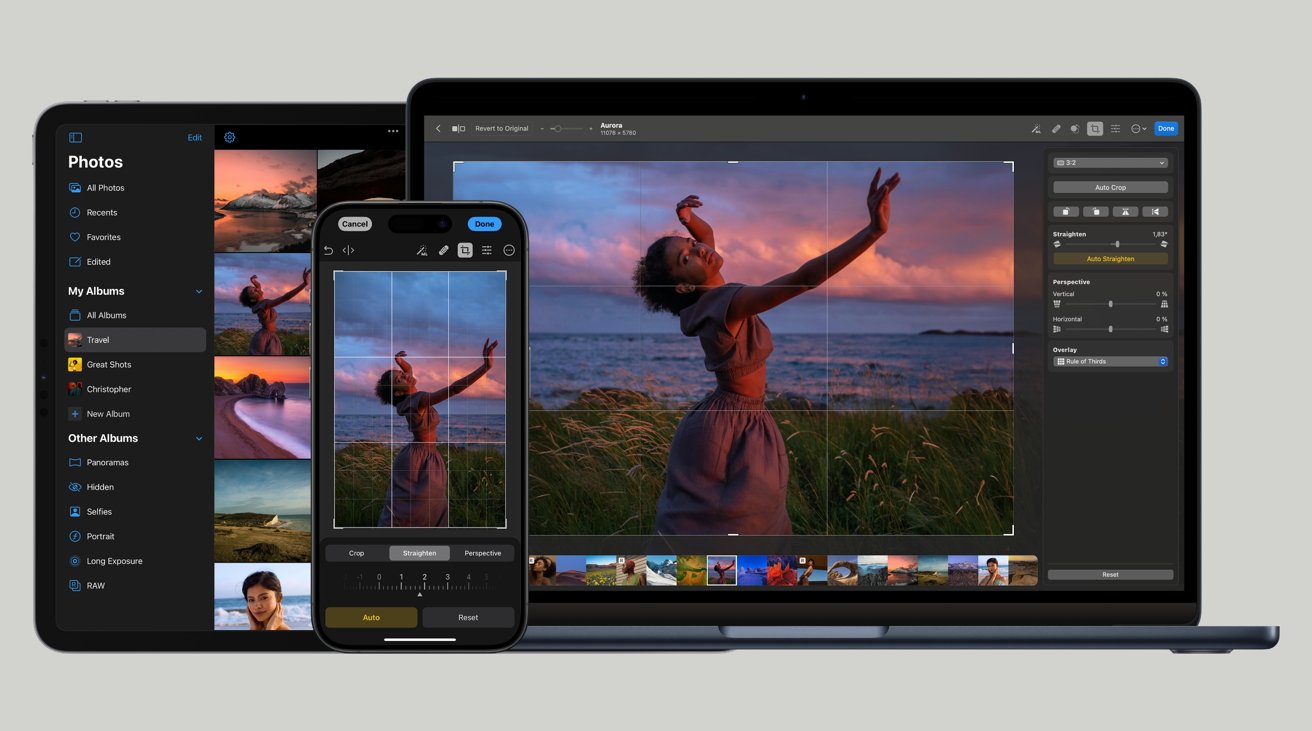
[{"x": 364, "y": 617}]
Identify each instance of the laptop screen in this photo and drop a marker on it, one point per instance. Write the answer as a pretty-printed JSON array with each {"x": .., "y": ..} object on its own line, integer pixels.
[{"x": 843, "y": 354}]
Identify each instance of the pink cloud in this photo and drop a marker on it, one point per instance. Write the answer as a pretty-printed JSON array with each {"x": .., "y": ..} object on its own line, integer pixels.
[{"x": 950, "y": 240}]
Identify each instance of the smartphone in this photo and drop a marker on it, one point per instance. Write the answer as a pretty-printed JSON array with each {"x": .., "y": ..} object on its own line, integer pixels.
[{"x": 419, "y": 383}]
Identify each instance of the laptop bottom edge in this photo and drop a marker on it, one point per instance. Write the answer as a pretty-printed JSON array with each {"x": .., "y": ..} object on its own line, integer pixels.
[{"x": 904, "y": 637}]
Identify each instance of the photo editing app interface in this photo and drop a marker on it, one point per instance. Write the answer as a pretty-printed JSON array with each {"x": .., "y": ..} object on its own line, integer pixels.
[
  {"x": 183, "y": 292},
  {"x": 863, "y": 352},
  {"x": 420, "y": 507}
]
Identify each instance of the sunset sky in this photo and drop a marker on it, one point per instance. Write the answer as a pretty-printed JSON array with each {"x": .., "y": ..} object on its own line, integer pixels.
[
  {"x": 238, "y": 172},
  {"x": 278, "y": 274},
  {"x": 946, "y": 261},
  {"x": 285, "y": 368},
  {"x": 901, "y": 562},
  {"x": 440, "y": 319}
]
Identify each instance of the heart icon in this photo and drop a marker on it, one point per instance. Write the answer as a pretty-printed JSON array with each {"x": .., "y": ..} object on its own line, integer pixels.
[{"x": 75, "y": 235}]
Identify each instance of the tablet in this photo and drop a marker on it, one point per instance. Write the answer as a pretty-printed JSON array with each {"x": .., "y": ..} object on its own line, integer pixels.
[
  {"x": 983, "y": 410},
  {"x": 172, "y": 361}
]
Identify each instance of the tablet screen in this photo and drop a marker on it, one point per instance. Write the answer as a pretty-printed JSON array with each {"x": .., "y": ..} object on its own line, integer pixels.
[{"x": 177, "y": 381}]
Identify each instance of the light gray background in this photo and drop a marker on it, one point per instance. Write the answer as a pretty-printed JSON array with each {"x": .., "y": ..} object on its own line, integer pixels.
[{"x": 1245, "y": 62}]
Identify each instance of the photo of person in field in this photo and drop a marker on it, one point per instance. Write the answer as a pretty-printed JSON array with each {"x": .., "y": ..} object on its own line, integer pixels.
[
  {"x": 417, "y": 496},
  {"x": 419, "y": 399},
  {"x": 783, "y": 355},
  {"x": 261, "y": 304},
  {"x": 265, "y": 341},
  {"x": 728, "y": 468}
]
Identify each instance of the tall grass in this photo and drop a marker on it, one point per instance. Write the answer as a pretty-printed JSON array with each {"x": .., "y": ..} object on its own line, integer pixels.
[
  {"x": 235, "y": 341},
  {"x": 597, "y": 466},
  {"x": 475, "y": 484}
]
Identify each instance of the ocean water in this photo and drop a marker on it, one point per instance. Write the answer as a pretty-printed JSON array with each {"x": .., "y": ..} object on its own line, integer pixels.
[
  {"x": 291, "y": 322},
  {"x": 455, "y": 428},
  {"x": 856, "y": 371},
  {"x": 294, "y": 522},
  {"x": 230, "y": 613},
  {"x": 285, "y": 423},
  {"x": 260, "y": 230}
]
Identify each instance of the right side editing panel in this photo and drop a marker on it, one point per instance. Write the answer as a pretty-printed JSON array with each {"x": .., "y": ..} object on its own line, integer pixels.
[{"x": 1112, "y": 406}]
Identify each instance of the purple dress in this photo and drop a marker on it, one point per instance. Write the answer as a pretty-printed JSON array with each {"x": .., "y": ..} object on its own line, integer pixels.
[
  {"x": 728, "y": 468},
  {"x": 417, "y": 496},
  {"x": 265, "y": 342}
]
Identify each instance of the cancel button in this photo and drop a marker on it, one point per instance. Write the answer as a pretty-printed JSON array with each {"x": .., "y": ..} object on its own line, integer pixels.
[{"x": 476, "y": 617}]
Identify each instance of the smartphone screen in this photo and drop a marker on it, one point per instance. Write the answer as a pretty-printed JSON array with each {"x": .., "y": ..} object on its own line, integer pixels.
[{"x": 419, "y": 389}]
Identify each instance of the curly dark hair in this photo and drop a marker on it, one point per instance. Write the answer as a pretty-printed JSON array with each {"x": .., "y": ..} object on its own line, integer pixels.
[
  {"x": 386, "y": 390},
  {"x": 655, "y": 283},
  {"x": 548, "y": 568},
  {"x": 248, "y": 297}
]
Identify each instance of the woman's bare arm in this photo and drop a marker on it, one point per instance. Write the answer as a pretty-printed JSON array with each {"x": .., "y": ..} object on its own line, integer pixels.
[
  {"x": 754, "y": 300},
  {"x": 696, "y": 225},
  {"x": 402, "y": 363},
  {"x": 305, "y": 282},
  {"x": 428, "y": 398}
]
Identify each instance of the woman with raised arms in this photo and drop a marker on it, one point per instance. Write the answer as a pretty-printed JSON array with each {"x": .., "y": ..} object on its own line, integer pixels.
[{"x": 728, "y": 470}]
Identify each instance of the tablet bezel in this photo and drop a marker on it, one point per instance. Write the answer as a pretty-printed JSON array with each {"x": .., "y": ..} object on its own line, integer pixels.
[{"x": 869, "y": 97}]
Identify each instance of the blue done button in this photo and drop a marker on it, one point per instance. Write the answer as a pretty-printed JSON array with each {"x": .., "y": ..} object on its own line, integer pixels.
[
  {"x": 484, "y": 223},
  {"x": 1166, "y": 129}
]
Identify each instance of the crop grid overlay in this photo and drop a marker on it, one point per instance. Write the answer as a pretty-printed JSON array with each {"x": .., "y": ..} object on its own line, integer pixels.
[
  {"x": 440, "y": 348},
  {"x": 892, "y": 391}
]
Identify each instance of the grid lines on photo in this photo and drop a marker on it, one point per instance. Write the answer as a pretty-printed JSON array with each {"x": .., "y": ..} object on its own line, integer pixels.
[
  {"x": 452, "y": 442},
  {"x": 880, "y": 418}
]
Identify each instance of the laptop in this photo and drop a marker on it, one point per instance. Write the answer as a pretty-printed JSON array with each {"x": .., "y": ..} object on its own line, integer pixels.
[{"x": 851, "y": 363}]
